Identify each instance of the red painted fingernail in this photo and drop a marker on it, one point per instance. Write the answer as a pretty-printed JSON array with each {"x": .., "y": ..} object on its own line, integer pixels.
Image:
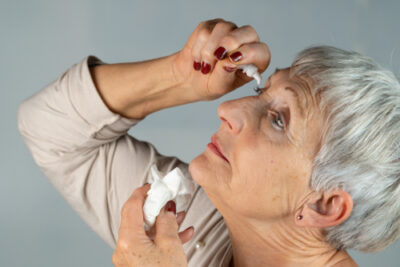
[
  {"x": 196, "y": 65},
  {"x": 205, "y": 68},
  {"x": 229, "y": 69},
  {"x": 171, "y": 207},
  {"x": 220, "y": 53},
  {"x": 236, "y": 56}
]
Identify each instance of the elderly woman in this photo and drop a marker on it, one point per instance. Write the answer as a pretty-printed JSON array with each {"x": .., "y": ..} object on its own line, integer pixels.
[{"x": 295, "y": 175}]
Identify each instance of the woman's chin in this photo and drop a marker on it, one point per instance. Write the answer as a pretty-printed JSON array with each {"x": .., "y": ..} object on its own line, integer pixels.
[
  {"x": 209, "y": 173},
  {"x": 199, "y": 168}
]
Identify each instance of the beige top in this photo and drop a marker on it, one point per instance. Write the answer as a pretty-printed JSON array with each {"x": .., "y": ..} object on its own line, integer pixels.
[{"x": 85, "y": 151}]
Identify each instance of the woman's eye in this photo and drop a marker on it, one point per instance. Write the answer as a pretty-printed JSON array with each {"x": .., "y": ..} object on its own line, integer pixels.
[{"x": 277, "y": 120}]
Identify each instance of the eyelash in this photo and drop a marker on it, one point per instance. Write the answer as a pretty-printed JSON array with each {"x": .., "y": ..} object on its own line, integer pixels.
[
  {"x": 258, "y": 90},
  {"x": 274, "y": 120}
]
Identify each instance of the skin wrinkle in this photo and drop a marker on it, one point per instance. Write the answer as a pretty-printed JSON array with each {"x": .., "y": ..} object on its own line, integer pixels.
[
  {"x": 267, "y": 179},
  {"x": 301, "y": 101},
  {"x": 289, "y": 132},
  {"x": 306, "y": 83},
  {"x": 303, "y": 85}
]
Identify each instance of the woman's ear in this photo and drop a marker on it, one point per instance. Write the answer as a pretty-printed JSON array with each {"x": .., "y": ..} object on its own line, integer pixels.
[{"x": 325, "y": 209}]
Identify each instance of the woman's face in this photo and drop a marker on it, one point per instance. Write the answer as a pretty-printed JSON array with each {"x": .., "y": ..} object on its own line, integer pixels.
[{"x": 268, "y": 148}]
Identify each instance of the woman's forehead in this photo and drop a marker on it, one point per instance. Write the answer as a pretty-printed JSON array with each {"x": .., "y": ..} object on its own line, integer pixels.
[{"x": 282, "y": 81}]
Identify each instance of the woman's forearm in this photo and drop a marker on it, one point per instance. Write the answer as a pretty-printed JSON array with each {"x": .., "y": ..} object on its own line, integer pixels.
[{"x": 138, "y": 89}]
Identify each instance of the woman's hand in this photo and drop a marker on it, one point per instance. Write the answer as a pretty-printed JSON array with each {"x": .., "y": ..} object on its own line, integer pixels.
[
  {"x": 136, "y": 248},
  {"x": 208, "y": 62}
]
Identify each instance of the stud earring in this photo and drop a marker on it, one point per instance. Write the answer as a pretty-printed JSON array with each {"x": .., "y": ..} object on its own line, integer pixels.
[{"x": 299, "y": 217}]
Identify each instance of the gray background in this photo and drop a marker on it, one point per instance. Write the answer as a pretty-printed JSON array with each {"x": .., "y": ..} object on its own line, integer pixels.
[{"x": 41, "y": 39}]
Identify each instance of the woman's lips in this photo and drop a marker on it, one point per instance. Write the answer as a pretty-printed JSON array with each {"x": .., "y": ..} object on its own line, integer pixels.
[{"x": 214, "y": 147}]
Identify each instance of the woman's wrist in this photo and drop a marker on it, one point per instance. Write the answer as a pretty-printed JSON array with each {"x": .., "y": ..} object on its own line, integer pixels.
[
  {"x": 169, "y": 88},
  {"x": 138, "y": 89}
]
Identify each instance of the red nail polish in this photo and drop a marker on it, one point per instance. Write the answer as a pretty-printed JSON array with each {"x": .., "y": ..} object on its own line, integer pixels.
[
  {"x": 196, "y": 65},
  {"x": 205, "y": 68},
  {"x": 229, "y": 69},
  {"x": 220, "y": 53},
  {"x": 171, "y": 206},
  {"x": 236, "y": 56}
]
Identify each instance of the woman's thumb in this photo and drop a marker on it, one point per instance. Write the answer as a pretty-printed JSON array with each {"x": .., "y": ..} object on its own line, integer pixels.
[{"x": 166, "y": 225}]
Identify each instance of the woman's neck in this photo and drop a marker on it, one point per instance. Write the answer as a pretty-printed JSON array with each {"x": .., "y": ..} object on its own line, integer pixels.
[{"x": 281, "y": 243}]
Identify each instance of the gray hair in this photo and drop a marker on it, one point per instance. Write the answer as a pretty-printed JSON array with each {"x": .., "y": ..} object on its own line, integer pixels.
[{"x": 360, "y": 143}]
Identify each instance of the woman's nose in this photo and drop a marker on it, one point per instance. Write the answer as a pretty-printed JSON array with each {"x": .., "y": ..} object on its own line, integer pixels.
[{"x": 231, "y": 114}]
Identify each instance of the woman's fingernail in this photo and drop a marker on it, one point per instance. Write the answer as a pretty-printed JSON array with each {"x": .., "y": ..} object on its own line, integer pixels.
[
  {"x": 196, "y": 65},
  {"x": 236, "y": 56},
  {"x": 171, "y": 207},
  {"x": 220, "y": 53},
  {"x": 205, "y": 68},
  {"x": 229, "y": 69}
]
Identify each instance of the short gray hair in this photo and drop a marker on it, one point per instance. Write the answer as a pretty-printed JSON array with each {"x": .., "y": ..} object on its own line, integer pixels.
[{"x": 360, "y": 142}]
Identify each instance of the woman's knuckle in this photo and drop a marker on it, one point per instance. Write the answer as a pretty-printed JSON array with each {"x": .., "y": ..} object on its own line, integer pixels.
[
  {"x": 216, "y": 20},
  {"x": 125, "y": 209},
  {"x": 195, "y": 54},
  {"x": 230, "y": 24},
  {"x": 203, "y": 34},
  {"x": 201, "y": 24},
  {"x": 230, "y": 41},
  {"x": 206, "y": 53},
  {"x": 168, "y": 241},
  {"x": 210, "y": 24},
  {"x": 219, "y": 25},
  {"x": 265, "y": 47},
  {"x": 128, "y": 207},
  {"x": 248, "y": 27},
  {"x": 250, "y": 30},
  {"x": 224, "y": 25},
  {"x": 124, "y": 245},
  {"x": 250, "y": 53}
]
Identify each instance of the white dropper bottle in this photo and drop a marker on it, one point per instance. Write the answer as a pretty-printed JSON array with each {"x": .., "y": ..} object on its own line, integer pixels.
[{"x": 251, "y": 71}]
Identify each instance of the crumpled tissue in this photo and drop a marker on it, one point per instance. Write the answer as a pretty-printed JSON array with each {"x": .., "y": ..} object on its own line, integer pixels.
[{"x": 174, "y": 186}]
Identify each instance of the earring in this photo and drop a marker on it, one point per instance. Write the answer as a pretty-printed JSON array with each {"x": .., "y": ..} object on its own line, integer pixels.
[{"x": 299, "y": 217}]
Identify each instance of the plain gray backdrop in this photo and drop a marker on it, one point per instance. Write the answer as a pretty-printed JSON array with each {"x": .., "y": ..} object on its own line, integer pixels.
[{"x": 41, "y": 39}]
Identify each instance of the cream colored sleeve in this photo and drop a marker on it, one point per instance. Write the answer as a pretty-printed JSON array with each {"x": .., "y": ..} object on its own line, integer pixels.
[{"x": 84, "y": 150}]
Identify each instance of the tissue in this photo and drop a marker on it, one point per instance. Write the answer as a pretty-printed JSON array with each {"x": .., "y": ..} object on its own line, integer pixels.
[
  {"x": 251, "y": 71},
  {"x": 174, "y": 186}
]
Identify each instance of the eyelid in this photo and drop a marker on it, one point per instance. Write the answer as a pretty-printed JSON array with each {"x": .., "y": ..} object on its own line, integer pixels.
[
  {"x": 285, "y": 114},
  {"x": 275, "y": 112},
  {"x": 283, "y": 111}
]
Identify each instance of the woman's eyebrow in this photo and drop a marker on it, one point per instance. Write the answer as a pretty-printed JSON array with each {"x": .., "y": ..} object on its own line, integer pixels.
[
  {"x": 276, "y": 71},
  {"x": 299, "y": 105},
  {"x": 294, "y": 93}
]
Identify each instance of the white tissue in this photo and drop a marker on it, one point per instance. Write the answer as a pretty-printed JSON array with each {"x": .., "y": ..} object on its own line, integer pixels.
[
  {"x": 251, "y": 71},
  {"x": 174, "y": 186}
]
